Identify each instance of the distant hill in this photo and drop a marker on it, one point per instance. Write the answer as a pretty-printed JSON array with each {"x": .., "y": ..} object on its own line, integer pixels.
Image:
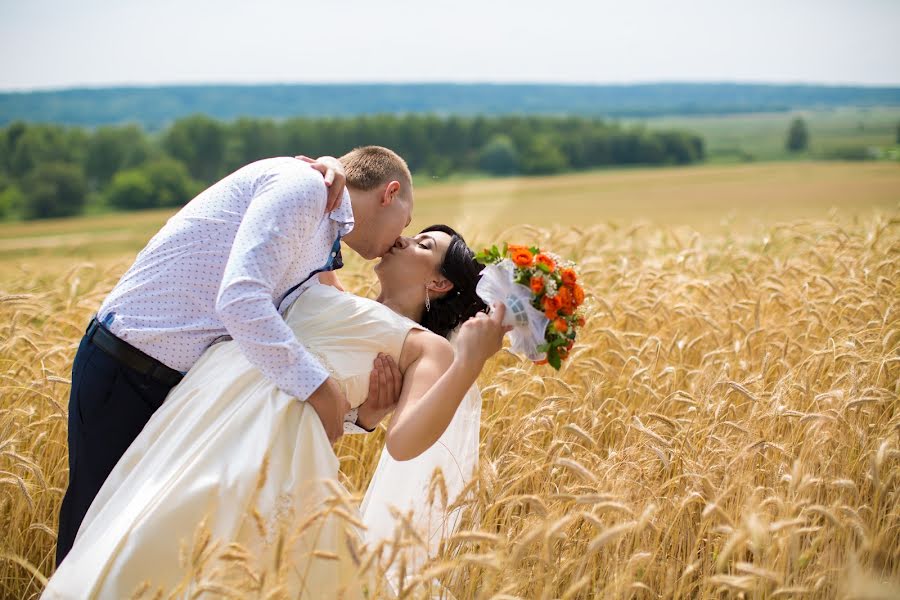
[{"x": 156, "y": 107}]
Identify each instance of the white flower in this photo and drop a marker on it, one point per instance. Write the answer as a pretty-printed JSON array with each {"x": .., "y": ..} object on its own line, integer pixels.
[{"x": 549, "y": 286}]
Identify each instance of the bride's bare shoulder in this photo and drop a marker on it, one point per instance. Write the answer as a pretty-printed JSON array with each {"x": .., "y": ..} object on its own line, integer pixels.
[{"x": 422, "y": 343}]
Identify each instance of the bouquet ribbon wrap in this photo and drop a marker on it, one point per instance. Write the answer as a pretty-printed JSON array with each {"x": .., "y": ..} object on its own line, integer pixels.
[{"x": 498, "y": 284}]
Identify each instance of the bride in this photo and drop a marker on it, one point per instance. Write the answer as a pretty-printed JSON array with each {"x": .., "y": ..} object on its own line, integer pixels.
[{"x": 231, "y": 464}]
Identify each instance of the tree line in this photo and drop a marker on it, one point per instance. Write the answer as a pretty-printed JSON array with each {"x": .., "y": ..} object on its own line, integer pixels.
[{"x": 49, "y": 170}]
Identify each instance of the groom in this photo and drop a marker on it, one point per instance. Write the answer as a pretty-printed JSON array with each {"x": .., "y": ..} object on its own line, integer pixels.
[{"x": 221, "y": 267}]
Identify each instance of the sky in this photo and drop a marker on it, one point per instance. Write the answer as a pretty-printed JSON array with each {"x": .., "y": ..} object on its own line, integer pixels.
[{"x": 52, "y": 44}]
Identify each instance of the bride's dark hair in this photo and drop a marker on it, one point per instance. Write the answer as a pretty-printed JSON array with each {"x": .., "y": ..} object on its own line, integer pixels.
[{"x": 461, "y": 302}]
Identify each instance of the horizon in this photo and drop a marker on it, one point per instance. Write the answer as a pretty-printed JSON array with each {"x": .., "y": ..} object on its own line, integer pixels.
[{"x": 248, "y": 84}]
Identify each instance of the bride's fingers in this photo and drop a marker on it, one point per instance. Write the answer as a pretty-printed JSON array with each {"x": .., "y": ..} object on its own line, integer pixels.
[{"x": 498, "y": 311}]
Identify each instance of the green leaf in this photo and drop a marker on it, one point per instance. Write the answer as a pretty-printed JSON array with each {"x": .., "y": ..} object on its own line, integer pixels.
[
  {"x": 543, "y": 268},
  {"x": 553, "y": 359},
  {"x": 559, "y": 341},
  {"x": 543, "y": 347},
  {"x": 505, "y": 248}
]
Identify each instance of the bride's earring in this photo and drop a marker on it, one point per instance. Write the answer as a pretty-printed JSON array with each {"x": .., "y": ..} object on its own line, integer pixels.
[{"x": 427, "y": 299}]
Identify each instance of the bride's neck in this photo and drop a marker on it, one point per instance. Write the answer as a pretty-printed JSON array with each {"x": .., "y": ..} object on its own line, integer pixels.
[{"x": 402, "y": 304}]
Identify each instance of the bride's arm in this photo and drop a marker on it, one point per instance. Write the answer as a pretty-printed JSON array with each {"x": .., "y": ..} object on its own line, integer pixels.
[{"x": 435, "y": 382}]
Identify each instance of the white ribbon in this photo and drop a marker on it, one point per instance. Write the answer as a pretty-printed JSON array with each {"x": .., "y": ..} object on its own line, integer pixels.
[{"x": 529, "y": 324}]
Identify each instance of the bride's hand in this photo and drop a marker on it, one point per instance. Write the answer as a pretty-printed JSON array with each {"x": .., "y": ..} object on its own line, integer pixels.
[
  {"x": 482, "y": 336},
  {"x": 335, "y": 178}
]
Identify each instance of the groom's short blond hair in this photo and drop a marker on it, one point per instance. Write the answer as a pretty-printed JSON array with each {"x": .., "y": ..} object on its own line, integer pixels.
[{"x": 367, "y": 167}]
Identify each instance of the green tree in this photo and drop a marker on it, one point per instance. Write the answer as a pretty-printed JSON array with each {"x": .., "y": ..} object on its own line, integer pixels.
[
  {"x": 33, "y": 145},
  {"x": 130, "y": 190},
  {"x": 249, "y": 140},
  {"x": 12, "y": 203},
  {"x": 198, "y": 142},
  {"x": 111, "y": 149},
  {"x": 54, "y": 190},
  {"x": 542, "y": 156},
  {"x": 798, "y": 136},
  {"x": 499, "y": 156},
  {"x": 172, "y": 184},
  {"x": 159, "y": 184},
  {"x": 12, "y": 200},
  {"x": 9, "y": 139}
]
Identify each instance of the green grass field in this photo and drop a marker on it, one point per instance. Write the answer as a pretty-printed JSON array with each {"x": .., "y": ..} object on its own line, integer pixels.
[{"x": 733, "y": 138}]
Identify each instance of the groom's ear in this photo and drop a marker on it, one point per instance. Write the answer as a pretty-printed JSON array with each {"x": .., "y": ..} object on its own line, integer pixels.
[{"x": 391, "y": 193}]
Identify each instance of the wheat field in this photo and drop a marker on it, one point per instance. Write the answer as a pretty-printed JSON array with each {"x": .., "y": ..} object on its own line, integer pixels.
[{"x": 728, "y": 424}]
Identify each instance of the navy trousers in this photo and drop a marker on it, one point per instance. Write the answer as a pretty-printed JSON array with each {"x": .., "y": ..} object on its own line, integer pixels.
[{"x": 108, "y": 407}]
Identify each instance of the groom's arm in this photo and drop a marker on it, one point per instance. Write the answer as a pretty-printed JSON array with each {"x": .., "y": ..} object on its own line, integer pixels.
[{"x": 288, "y": 202}]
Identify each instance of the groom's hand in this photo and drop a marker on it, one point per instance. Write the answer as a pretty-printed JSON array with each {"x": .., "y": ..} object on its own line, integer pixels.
[
  {"x": 385, "y": 384},
  {"x": 331, "y": 405},
  {"x": 335, "y": 178}
]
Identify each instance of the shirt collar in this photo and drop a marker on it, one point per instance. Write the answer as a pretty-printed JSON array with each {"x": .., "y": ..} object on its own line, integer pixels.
[{"x": 343, "y": 215}]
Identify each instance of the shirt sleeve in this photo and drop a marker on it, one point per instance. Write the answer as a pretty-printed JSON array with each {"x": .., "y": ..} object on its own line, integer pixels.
[
  {"x": 350, "y": 425},
  {"x": 288, "y": 202}
]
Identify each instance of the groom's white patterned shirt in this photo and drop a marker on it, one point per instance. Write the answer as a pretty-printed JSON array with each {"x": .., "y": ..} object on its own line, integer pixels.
[{"x": 222, "y": 265}]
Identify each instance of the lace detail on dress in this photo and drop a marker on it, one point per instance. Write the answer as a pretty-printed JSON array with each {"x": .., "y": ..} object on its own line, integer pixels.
[{"x": 331, "y": 370}]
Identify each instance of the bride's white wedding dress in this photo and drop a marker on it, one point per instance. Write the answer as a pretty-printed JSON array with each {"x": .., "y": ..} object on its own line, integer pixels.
[{"x": 201, "y": 459}]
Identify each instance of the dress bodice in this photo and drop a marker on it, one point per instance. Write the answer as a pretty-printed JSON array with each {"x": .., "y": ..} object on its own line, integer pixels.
[{"x": 345, "y": 333}]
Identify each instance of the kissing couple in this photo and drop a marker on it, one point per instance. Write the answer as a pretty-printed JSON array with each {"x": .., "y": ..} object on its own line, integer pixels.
[{"x": 219, "y": 371}]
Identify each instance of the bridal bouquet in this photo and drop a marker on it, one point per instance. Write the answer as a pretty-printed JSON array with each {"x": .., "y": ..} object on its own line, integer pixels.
[{"x": 542, "y": 296}]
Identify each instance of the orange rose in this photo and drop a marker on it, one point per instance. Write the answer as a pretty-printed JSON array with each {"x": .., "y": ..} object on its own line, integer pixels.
[
  {"x": 551, "y": 307},
  {"x": 522, "y": 257},
  {"x": 543, "y": 259},
  {"x": 566, "y": 302},
  {"x": 537, "y": 284},
  {"x": 513, "y": 248},
  {"x": 568, "y": 277},
  {"x": 578, "y": 293},
  {"x": 580, "y": 321},
  {"x": 560, "y": 325}
]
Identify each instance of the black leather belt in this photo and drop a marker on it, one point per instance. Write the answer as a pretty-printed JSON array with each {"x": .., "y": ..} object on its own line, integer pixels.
[{"x": 130, "y": 356}]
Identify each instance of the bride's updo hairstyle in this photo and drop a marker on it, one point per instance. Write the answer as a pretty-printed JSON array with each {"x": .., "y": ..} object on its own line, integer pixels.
[{"x": 461, "y": 302}]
